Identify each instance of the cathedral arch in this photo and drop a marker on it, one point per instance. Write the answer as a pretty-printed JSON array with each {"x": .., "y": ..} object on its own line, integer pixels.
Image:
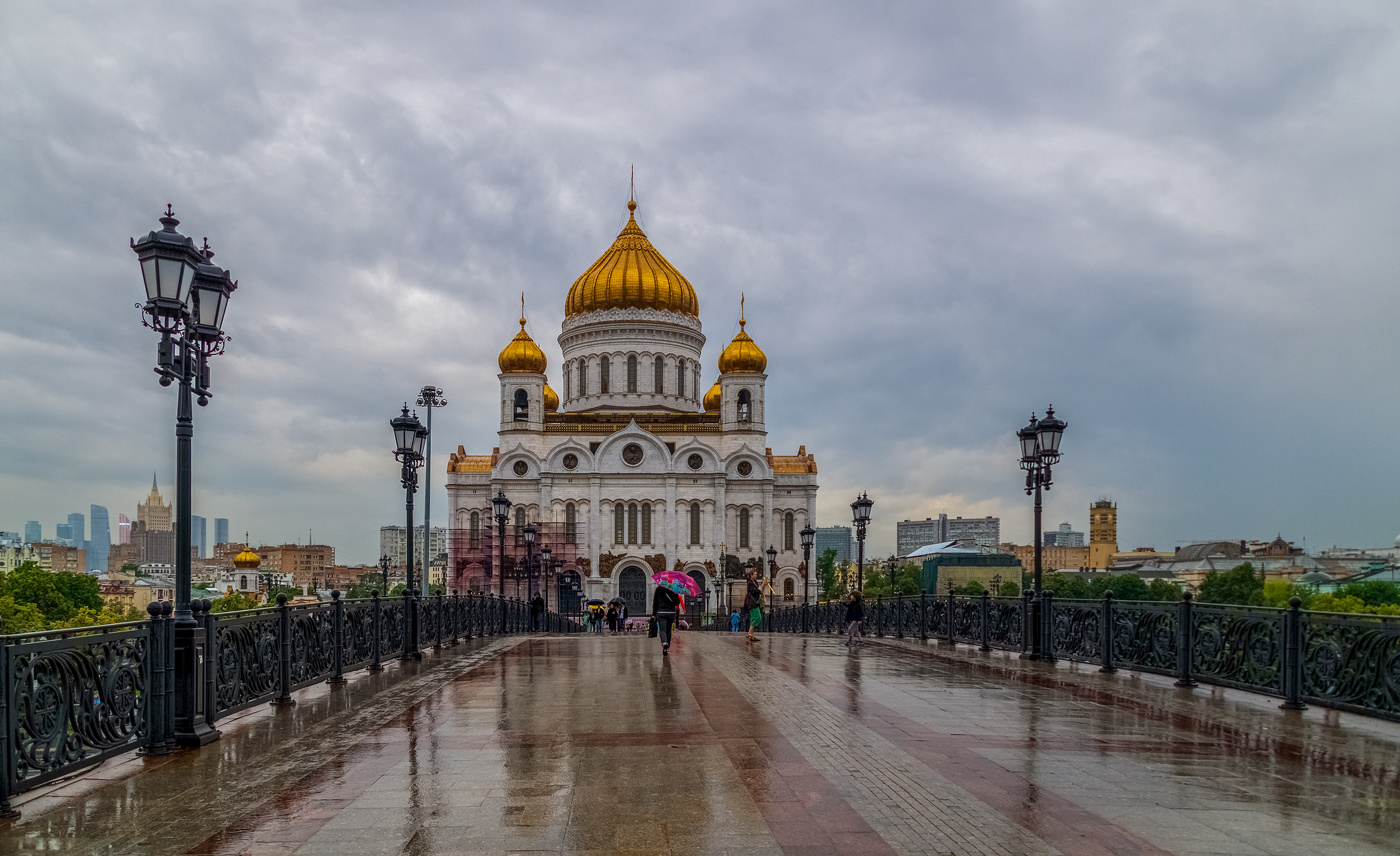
[
  {"x": 694, "y": 524},
  {"x": 658, "y": 375},
  {"x": 522, "y": 405},
  {"x": 604, "y": 371},
  {"x": 788, "y": 523},
  {"x": 619, "y": 523},
  {"x": 631, "y": 372},
  {"x": 474, "y": 530},
  {"x": 743, "y": 527},
  {"x": 680, "y": 378},
  {"x": 745, "y": 406},
  {"x": 570, "y": 523},
  {"x": 583, "y": 377}
]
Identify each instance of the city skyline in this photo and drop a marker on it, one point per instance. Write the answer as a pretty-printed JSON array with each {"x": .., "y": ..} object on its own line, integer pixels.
[{"x": 1167, "y": 223}]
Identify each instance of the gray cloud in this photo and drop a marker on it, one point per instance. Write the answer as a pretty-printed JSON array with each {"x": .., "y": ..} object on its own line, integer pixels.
[{"x": 1175, "y": 222}]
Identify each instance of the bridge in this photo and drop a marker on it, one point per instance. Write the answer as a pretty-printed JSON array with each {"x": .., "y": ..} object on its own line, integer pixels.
[{"x": 334, "y": 739}]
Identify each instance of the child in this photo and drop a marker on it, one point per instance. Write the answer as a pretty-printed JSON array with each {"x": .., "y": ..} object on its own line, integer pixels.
[
  {"x": 855, "y": 614},
  {"x": 734, "y": 621}
]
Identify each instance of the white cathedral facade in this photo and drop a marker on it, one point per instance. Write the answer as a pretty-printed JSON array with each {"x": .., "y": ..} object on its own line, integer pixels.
[{"x": 635, "y": 470}]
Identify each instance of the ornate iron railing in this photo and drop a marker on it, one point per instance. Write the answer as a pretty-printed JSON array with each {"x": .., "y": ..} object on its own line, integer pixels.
[
  {"x": 72, "y": 698},
  {"x": 1349, "y": 662}
]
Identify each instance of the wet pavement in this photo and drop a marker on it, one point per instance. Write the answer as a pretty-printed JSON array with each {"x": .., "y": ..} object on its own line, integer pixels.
[{"x": 792, "y": 745}]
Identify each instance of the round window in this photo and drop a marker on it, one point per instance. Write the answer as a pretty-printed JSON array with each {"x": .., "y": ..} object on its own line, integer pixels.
[
  {"x": 745, "y": 468},
  {"x": 570, "y": 461},
  {"x": 695, "y": 462},
  {"x": 521, "y": 468},
  {"x": 632, "y": 454}
]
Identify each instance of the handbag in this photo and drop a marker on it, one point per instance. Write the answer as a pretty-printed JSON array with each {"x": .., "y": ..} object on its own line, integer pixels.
[{"x": 651, "y": 628}]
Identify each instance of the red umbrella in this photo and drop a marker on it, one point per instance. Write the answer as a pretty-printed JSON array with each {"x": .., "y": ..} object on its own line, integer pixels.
[{"x": 677, "y": 582}]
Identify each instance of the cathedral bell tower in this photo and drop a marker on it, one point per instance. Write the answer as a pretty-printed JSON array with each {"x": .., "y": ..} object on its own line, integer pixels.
[
  {"x": 740, "y": 400},
  {"x": 525, "y": 394}
]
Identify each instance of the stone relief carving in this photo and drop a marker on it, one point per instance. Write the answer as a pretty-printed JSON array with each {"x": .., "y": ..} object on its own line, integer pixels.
[
  {"x": 606, "y": 563},
  {"x": 585, "y": 566},
  {"x": 657, "y": 562}
]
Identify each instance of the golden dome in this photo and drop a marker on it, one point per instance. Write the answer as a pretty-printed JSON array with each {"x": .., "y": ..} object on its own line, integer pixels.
[
  {"x": 712, "y": 399},
  {"x": 551, "y": 400},
  {"x": 247, "y": 560},
  {"x": 742, "y": 354},
  {"x": 522, "y": 354},
  {"x": 631, "y": 274}
]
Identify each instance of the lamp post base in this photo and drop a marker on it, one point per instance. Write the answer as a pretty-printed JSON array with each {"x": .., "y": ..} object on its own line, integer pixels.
[{"x": 192, "y": 728}]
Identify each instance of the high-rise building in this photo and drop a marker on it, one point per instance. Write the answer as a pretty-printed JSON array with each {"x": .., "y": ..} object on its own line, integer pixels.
[
  {"x": 836, "y": 538},
  {"x": 123, "y": 529},
  {"x": 391, "y": 544},
  {"x": 78, "y": 523},
  {"x": 153, "y": 530},
  {"x": 910, "y": 535},
  {"x": 155, "y": 512},
  {"x": 197, "y": 539},
  {"x": 220, "y": 530},
  {"x": 33, "y": 532},
  {"x": 984, "y": 531},
  {"x": 63, "y": 534},
  {"x": 100, "y": 544},
  {"x": 1103, "y": 533},
  {"x": 1062, "y": 537}
]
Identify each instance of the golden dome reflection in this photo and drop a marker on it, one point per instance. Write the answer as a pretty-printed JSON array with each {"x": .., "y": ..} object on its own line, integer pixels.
[
  {"x": 632, "y": 275},
  {"x": 522, "y": 354},
  {"x": 742, "y": 355}
]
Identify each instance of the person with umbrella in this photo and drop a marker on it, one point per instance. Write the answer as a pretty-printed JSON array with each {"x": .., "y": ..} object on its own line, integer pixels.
[{"x": 666, "y": 603}]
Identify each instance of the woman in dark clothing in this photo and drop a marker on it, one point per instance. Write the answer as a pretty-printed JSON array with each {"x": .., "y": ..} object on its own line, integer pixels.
[
  {"x": 665, "y": 604},
  {"x": 612, "y": 618},
  {"x": 855, "y": 614},
  {"x": 753, "y": 604}
]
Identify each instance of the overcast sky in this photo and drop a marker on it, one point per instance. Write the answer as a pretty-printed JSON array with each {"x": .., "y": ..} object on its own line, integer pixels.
[{"x": 1176, "y": 222}]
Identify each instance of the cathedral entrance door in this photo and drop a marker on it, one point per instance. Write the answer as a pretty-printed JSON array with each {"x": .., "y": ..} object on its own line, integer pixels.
[{"x": 632, "y": 587}]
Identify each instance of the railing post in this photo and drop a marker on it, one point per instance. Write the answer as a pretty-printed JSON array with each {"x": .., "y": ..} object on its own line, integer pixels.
[
  {"x": 1293, "y": 657},
  {"x": 338, "y": 634},
  {"x": 157, "y": 735},
  {"x": 1026, "y": 597},
  {"x": 375, "y": 665},
  {"x": 411, "y": 627},
  {"x": 952, "y": 606},
  {"x": 438, "y": 643},
  {"x": 7, "y": 811},
  {"x": 211, "y": 663},
  {"x": 284, "y": 672},
  {"x": 923, "y": 614},
  {"x": 456, "y": 603},
  {"x": 1047, "y": 625},
  {"x": 1185, "y": 638},
  {"x": 986, "y": 621},
  {"x": 1106, "y": 635}
]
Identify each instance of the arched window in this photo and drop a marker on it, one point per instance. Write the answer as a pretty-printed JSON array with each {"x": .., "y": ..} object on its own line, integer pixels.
[
  {"x": 695, "y": 523},
  {"x": 744, "y": 409},
  {"x": 787, "y": 531},
  {"x": 788, "y": 589},
  {"x": 619, "y": 532},
  {"x": 522, "y": 405},
  {"x": 695, "y": 375},
  {"x": 743, "y": 527},
  {"x": 570, "y": 524},
  {"x": 632, "y": 523},
  {"x": 604, "y": 370},
  {"x": 474, "y": 530},
  {"x": 583, "y": 377},
  {"x": 631, "y": 372},
  {"x": 568, "y": 381},
  {"x": 243, "y": 583},
  {"x": 519, "y": 526},
  {"x": 658, "y": 375},
  {"x": 680, "y": 378},
  {"x": 646, "y": 523}
]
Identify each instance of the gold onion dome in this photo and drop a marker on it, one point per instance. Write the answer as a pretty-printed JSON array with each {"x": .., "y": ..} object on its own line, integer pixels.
[
  {"x": 551, "y": 400},
  {"x": 522, "y": 354},
  {"x": 631, "y": 275},
  {"x": 246, "y": 560},
  {"x": 742, "y": 354},
  {"x": 712, "y": 399}
]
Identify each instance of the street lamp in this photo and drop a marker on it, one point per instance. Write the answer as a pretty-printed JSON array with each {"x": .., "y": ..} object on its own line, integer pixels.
[
  {"x": 546, "y": 572},
  {"x": 529, "y": 532},
  {"x": 384, "y": 571},
  {"x": 186, "y": 296},
  {"x": 429, "y": 397},
  {"x": 807, "y": 535},
  {"x": 501, "y": 506},
  {"x": 409, "y": 437},
  {"x": 1040, "y": 449},
  {"x": 772, "y": 574},
  {"x": 860, "y": 516},
  {"x": 891, "y": 564},
  {"x": 724, "y": 578}
]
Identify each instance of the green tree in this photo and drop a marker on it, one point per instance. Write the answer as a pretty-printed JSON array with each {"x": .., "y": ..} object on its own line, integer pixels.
[
  {"x": 365, "y": 586},
  {"x": 909, "y": 580},
  {"x": 79, "y": 589},
  {"x": 1239, "y": 585},
  {"x": 18, "y": 617},
  {"x": 827, "y": 576},
  {"x": 1372, "y": 592},
  {"x": 1009, "y": 589},
  {"x": 232, "y": 602},
  {"x": 1163, "y": 590},
  {"x": 88, "y": 617},
  {"x": 30, "y": 583},
  {"x": 972, "y": 588}
]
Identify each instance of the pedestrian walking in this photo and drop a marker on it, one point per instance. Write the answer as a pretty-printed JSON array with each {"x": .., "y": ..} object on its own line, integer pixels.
[
  {"x": 612, "y": 619},
  {"x": 855, "y": 614},
  {"x": 734, "y": 621},
  {"x": 536, "y": 612},
  {"x": 753, "y": 604},
  {"x": 665, "y": 605}
]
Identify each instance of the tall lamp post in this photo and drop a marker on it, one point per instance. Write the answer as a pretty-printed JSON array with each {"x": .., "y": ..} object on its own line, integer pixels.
[
  {"x": 807, "y": 534},
  {"x": 429, "y": 397},
  {"x": 384, "y": 572},
  {"x": 186, "y": 296},
  {"x": 891, "y": 565},
  {"x": 529, "y": 531},
  {"x": 723, "y": 578},
  {"x": 501, "y": 508},
  {"x": 546, "y": 572},
  {"x": 772, "y": 578},
  {"x": 1040, "y": 449},
  {"x": 409, "y": 437},
  {"x": 860, "y": 516}
]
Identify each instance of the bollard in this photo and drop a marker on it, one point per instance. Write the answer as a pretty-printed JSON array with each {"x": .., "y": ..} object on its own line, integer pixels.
[
  {"x": 1293, "y": 657},
  {"x": 375, "y": 665},
  {"x": 211, "y": 663},
  {"x": 168, "y": 643},
  {"x": 986, "y": 621},
  {"x": 456, "y": 603},
  {"x": 1047, "y": 626},
  {"x": 284, "y": 677},
  {"x": 338, "y": 634},
  {"x": 1106, "y": 635},
  {"x": 1185, "y": 649},
  {"x": 156, "y": 734},
  {"x": 1026, "y": 619},
  {"x": 437, "y": 643}
]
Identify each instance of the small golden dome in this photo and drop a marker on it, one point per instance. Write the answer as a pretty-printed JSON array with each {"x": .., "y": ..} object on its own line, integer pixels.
[
  {"x": 712, "y": 399},
  {"x": 247, "y": 560},
  {"x": 742, "y": 354},
  {"x": 631, "y": 274},
  {"x": 551, "y": 400},
  {"x": 522, "y": 354}
]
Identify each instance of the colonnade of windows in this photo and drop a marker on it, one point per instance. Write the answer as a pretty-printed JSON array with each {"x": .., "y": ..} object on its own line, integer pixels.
[{"x": 687, "y": 383}]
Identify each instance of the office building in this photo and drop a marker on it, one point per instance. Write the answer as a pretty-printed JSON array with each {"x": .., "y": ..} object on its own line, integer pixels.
[
  {"x": 63, "y": 534},
  {"x": 197, "y": 539},
  {"x": 78, "y": 524},
  {"x": 391, "y": 544},
  {"x": 836, "y": 538},
  {"x": 154, "y": 531},
  {"x": 100, "y": 544},
  {"x": 123, "y": 529},
  {"x": 1103, "y": 533},
  {"x": 220, "y": 530},
  {"x": 910, "y": 535},
  {"x": 33, "y": 532},
  {"x": 1062, "y": 537},
  {"x": 306, "y": 565},
  {"x": 61, "y": 557}
]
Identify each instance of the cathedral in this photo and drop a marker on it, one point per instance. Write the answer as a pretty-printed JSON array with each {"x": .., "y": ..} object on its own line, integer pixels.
[{"x": 638, "y": 467}]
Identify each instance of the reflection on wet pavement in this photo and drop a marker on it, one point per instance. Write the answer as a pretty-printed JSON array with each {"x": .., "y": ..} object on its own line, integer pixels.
[{"x": 791, "y": 745}]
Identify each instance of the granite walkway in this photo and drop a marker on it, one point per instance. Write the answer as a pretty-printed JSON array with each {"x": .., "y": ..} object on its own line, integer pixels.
[{"x": 792, "y": 745}]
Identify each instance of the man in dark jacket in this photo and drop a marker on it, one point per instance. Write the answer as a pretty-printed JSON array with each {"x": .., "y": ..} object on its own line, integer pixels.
[
  {"x": 536, "y": 610},
  {"x": 665, "y": 604}
]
